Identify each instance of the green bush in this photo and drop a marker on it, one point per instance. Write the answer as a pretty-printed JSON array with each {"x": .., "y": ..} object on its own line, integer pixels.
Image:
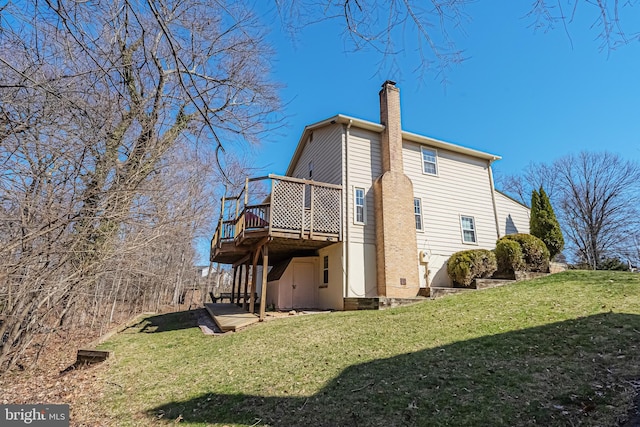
[
  {"x": 466, "y": 266},
  {"x": 613, "y": 263},
  {"x": 509, "y": 256},
  {"x": 534, "y": 252}
]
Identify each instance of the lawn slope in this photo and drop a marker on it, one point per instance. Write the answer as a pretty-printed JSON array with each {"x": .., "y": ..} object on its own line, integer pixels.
[{"x": 562, "y": 350}]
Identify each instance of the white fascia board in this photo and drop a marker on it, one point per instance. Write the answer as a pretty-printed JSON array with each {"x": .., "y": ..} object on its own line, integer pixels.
[
  {"x": 431, "y": 142},
  {"x": 377, "y": 127}
]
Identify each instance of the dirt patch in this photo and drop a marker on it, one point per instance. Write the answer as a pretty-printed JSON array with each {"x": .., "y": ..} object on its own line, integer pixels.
[
  {"x": 55, "y": 379},
  {"x": 51, "y": 382}
]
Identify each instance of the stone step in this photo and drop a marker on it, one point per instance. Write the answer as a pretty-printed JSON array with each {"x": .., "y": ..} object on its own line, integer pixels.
[
  {"x": 379, "y": 303},
  {"x": 480, "y": 284},
  {"x": 492, "y": 283},
  {"x": 437, "y": 292}
]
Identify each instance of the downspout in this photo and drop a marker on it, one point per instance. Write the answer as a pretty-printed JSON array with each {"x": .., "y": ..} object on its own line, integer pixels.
[
  {"x": 493, "y": 197},
  {"x": 345, "y": 238}
]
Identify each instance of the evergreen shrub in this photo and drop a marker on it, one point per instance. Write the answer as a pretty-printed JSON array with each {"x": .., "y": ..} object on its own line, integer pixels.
[
  {"x": 466, "y": 266},
  {"x": 535, "y": 254},
  {"x": 509, "y": 256}
]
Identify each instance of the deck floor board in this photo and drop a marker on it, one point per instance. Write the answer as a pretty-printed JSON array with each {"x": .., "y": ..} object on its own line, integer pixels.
[{"x": 230, "y": 317}]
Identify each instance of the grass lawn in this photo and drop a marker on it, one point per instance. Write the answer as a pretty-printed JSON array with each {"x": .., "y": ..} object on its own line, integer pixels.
[{"x": 558, "y": 351}]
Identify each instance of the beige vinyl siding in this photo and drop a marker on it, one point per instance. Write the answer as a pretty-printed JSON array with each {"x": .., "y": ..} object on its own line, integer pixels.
[
  {"x": 461, "y": 188},
  {"x": 513, "y": 217},
  {"x": 325, "y": 151},
  {"x": 364, "y": 166},
  {"x": 362, "y": 270}
]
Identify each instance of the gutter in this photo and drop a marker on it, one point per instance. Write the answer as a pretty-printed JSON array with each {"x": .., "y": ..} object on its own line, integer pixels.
[
  {"x": 345, "y": 239},
  {"x": 493, "y": 197}
]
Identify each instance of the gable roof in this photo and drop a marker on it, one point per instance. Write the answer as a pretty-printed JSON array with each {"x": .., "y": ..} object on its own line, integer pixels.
[{"x": 378, "y": 128}]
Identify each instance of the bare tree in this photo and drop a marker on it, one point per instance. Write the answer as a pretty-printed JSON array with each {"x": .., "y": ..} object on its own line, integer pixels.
[
  {"x": 534, "y": 176},
  {"x": 103, "y": 102},
  {"x": 381, "y": 24},
  {"x": 607, "y": 17},
  {"x": 94, "y": 96},
  {"x": 600, "y": 194},
  {"x": 596, "y": 195},
  {"x": 435, "y": 26}
]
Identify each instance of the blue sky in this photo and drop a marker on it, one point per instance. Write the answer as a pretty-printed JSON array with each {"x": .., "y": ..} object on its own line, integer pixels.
[{"x": 525, "y": 95}]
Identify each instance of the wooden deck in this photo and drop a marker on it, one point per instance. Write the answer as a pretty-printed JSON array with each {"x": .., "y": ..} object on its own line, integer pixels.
[
  {"x": 297, "y": 216},
  {"x": 230, "y": 317}
]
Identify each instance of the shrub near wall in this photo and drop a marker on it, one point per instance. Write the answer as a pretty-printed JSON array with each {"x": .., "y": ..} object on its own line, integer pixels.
[
  {"x": 509, "y": 256},
  {"x": 466, "y": 266},
  {"x": 535, "y": 255}
]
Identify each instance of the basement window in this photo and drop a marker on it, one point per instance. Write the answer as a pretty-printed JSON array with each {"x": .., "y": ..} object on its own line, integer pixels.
[
  {"x": 325, "y": 270},
  {"x": 468, "y": 229},
  {"x": 429, "y": 161}
]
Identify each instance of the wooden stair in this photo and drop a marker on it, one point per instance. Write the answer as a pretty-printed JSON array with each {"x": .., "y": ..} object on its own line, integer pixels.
[{"x": 230, "y": 317}]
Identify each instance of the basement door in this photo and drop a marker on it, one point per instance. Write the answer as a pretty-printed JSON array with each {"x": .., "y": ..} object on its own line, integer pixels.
[{"x": 303, "y": 292}]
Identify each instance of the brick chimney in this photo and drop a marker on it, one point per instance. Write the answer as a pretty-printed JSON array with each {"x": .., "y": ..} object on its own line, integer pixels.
[
  {"x": 396, "y": 247},
  {"x": 391, "y": 144}
]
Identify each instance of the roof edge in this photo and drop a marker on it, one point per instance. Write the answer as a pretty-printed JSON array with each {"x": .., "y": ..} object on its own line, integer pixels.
[
  {"x": 338, "y": 118},
  {"x": 426, "y": 140},
  {"x": 377, "y": 127}
]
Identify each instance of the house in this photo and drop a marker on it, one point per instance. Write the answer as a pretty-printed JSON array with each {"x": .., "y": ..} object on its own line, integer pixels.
[{"x": 365, "y": 210}]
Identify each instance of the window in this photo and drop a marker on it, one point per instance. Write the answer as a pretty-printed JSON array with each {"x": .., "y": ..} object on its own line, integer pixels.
[
  {"x": 325, "y": 270},
  {"x": 358, "y": 202},
  {"x": 429, "y": 161},
  {"x": 417, "y": 211},
  {"x": 311, "y": 169},
  {"x": 468, "y": 229}
]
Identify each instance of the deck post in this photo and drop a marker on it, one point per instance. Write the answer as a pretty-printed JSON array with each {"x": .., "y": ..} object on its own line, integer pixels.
[
  {"x": 236, "y": 300},
  {"x": 303, "y": 212},
  {"x": 245, "y": 303},
  {"x": 246, "y": 191},
  {"x": 222, "y": 200},
  {"x": 254, "y": 277},
  {"x": 265, "y": 269},
  {"x": 233, "y": 283},
  {"x": 272, "y": 203},
  {"x": 311, "y": 188},
  {"x": 239, "y": 285},
  {"x": 218, "y": 272}
]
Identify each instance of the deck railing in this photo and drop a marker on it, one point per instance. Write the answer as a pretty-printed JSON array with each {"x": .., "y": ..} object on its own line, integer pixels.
[
  {"x": 300, "y": 207},
  {"x": 253, "y": 217}
]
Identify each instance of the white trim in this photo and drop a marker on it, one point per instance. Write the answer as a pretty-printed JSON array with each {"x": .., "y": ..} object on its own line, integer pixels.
[
  {"x": 355, "y": 206},
  {"x": 434, "y": 163},
  {"x": 474, "y": 229}
]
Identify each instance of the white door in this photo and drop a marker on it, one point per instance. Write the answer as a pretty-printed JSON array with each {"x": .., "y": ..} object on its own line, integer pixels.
[{"x": 304, "y": 289}]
